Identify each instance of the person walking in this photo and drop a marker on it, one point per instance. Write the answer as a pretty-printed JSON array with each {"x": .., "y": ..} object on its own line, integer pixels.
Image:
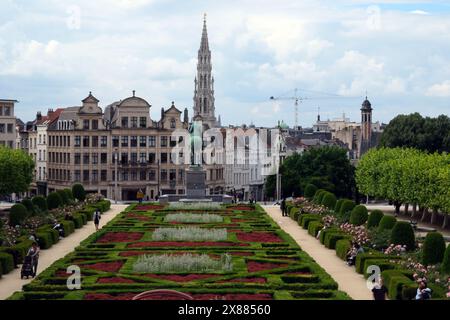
[
  {"x": 97, "y": 217},
  {"x": 140, "y": 196},
  {"x": 33, "y": 252},
  {"x": 283, "y": 207}
]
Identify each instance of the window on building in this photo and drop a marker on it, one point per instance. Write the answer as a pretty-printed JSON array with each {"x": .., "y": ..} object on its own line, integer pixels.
[
  {"x": 86, "y": 124},
  {"x": 7, "y": 111},
  {"x": 86, "y": 141},
  {"x": 77, "y": 141},
  {"x": 133, "y": 141},
  {"x": 94, "y": 124},
  {"x": 152, "y": 141},
  {"x": 95, "y": 158},
  {"x": 77, "y": 176},
  {"x": 163, "y": 157},
  {"x": 133, "y": 157},
  {"x": 104, "y": 158},
  {"x": 142, "y": 141},
  {"x": 142, "y": 157},
  {"x": 125, "y": 175},
  {"x": 173, "y": 142},
  {"x": 163, "y": 175},
  {"x": 172, "y": 123},
  {"x": 172, "y": 174},
  {"x": 163, "y": 141},
  {"x": 124, "y": 158},
  {"x": 142, "y": 175},
  {"x": 85, "y": 175},
  {"x": 152, "y": 175},
  {"x": 77, "y": 158},
  {"x": 180, "y": 175},
  {"x": 104, "y": 175},
  {"x": 95, "y": 141},
  {"x": 115, "y": 141},
  {"x": 143, "y": 122},
  {"x": 124, "y": 141},
  {"x": 104, "y": 141},
  {"x": 151, "y": 157},
  {"x": 124, "y": 122},
  {"x": 133, "y": 175},
  {"x": 94, "y": 175},
  {"x": 86, "y": 158},
  {"x": 134, "y": 122}
]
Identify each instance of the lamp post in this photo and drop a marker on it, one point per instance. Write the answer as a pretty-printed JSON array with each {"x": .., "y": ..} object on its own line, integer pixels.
[{"x": 116, "y": 159}]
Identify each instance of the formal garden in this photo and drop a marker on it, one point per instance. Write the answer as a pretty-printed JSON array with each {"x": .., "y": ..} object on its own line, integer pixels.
[
  {"x": 37, "y": 217},
  {"x": 403, "y": 258},
  {"x": 207, "y": 251}
]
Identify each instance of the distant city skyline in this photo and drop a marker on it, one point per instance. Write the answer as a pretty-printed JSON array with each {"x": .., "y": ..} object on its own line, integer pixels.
[{"x": 52, "y": 54}]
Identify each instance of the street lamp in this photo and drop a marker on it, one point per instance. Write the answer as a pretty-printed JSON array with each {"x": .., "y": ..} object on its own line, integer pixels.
[{"x": 116, "y": 159}]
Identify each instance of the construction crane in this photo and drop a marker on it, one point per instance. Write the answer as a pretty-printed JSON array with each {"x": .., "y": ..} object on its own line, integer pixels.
[{"x": 299, "y": 99}]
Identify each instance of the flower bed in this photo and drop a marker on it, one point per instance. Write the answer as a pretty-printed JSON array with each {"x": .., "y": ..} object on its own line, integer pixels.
[
  {"x": 120, "y": 237},
  {"x": 115, "y": 280},
  {"x": 105, "y": 266},
  {"x": 258, "y": 237},
  {"x": 185, "y": 244},
  {"x": 254, "y": 266}
]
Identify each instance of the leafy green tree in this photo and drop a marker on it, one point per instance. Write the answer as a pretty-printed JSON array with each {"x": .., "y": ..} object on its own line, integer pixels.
[
  {"x": 79, "y": 192},
  {"x": 16, "y": 171},
  {"x": 17, "y": 214},
  {"x": 54, "y": 200}
]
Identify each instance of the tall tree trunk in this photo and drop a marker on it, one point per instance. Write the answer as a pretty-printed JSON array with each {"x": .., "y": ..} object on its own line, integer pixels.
[
  {"x": 406, "y": 208},
  {"x": 414, "y": 211},
  {"x": 424, "y": 214},
  {"x": 445, "y": 223},
  {"x": 434, "y": 215}
]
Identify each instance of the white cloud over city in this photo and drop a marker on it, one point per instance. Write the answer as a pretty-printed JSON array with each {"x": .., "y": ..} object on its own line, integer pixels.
[{"x": 52, "y": 53}]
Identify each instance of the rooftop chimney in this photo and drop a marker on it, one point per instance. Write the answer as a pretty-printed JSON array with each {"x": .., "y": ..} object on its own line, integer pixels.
[{"x": 38, "y": 115}]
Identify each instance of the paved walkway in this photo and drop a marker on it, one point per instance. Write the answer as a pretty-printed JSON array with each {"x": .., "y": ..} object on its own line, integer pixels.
[
  {"x": 348, "y": 280},
  {"x": 11, "y": 282}
]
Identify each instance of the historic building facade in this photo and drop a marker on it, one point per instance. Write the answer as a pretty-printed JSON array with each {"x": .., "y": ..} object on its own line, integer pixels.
[{"x": 8, "y": 133}]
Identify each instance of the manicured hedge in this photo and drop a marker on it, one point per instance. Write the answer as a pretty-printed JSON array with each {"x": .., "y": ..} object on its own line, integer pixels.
[
  {"x": 310, "y": 191},
  {"x": 294, "y": 213},
  {"x": 342, "y": 248},
  {"x": 53, "y": 233},
  {"x": 314, "y": 227},
  {"x": 305, "y": 219},
  {"x": 54, "y": 200},
  {"x": 446, "y": 261},
  {"x": 68, "y": 226},
  {"x": 331, "y": 239},
  {"x": 318, "y": 196},
  {"x": 20, "y": 249},
  {"x": 387, "y": 222},
  {"x": 374, "y": 218},
  {"x": 359, "y": 215},
  {"x": 40, "y": 202},
  {"x": 362, "y": 257},
  {"x": 383, "y": 264},
  {"x": 395, "y": 281},
  {"x": 29, "y": 205},
  {"x": 78, "y": 221},
  {"x": 6, "y": 262},
  {"x": 337, "y": 207},
  {"x": 346, "y": 208},
  {"x": 433, "y": 248},
  {"x": 403, "y": 234},
  {"x": 329, "y": 200},
  {"x": 45, "y": 239},
  {"x": 17, "y": 214},
  {"x": 324, "y": 232}
]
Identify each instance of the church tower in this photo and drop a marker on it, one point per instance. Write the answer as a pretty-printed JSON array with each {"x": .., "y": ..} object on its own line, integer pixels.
[
  {"x": 204, "y": 84},
  {"x": 366, "y": 126}
]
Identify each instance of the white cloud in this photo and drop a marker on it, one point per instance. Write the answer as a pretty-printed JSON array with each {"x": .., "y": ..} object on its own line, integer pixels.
[
  {"x": 420, "y": 12},
  {"x": 439, "y": 89}
]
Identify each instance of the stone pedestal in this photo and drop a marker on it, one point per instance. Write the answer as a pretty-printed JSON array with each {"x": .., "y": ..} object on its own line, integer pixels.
[{"x": 195, "y": 183}]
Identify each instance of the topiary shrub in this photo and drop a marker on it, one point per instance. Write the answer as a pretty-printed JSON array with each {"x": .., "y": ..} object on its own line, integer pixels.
[
  {"x": 69, "y": 194},
  {"x": 45, "y": 239},
  {"x": 54, "y": 201},
  {"x": 403, "y": 234},
  {"x": 359, "y": 215},
  {"x": 386, "y": 223},
  {"x": 79, "y": 192},
  {"x": 320, "y": 196},
  {"x": 317, "y": 195},
  {"x": 332, "y": 237},
  {"x": 337, "y": 207},
  {"x": 329, "y": 200},
  {"x": 6, "y": 262},
  {"x": 310, "y": 191},
  {"x": 307, "y": 218},
  {"x": 314, "y": 227},
  {"x": 68, "y": 226},
  {"x": 40, "y": 202},
  {"x": 294, "y": 213},
  {"x": 345, "y": 210},
  {"x": 342, "y": 248},
  {"x": 433, "y": 248},
  {"x": 374, "y": 218},
  {"x": 17, "y": 214},
  {"x": 446, "y": 261},
  {"x": 65, "y": 199},
  {"x": 29, "y": 205}
]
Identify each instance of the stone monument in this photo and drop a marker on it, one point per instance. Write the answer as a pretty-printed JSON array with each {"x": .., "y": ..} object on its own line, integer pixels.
[{"x": 195, "y": 175}]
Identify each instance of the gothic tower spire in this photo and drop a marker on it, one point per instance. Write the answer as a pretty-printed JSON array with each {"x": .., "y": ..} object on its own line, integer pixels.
[{"x": 204, "y": 83}]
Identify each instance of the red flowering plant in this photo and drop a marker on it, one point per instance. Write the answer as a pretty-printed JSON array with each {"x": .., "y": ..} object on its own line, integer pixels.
[{"x": 359, "y": 233}]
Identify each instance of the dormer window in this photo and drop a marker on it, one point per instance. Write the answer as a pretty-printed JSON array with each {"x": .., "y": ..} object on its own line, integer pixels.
[
  {"x": 86, "y": 124},
  {"x": 172, "y": 123}
]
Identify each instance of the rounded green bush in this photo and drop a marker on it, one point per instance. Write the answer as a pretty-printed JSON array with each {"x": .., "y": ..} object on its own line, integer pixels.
[
  {"x": 310, "y": 191},
  {"x": 403, "y": 234},
  {"x": 54, "y": 201},
  {"x": 446, "y": 261},
  {"x": 320, "y": 196},
  {"x": 79, "y": 192},
  {"x": 29, "y": 205},
  {"x": 346, "y": 206},
  {"x": 17, "y": 214},
  {"x": 433, "y": 248},
  {"x": 69, "y": 194},
  {"x": 337, "y": 207},
  {"x": 386, "y": 223},
  {"x": 329, "y": 200},
  {"x": 359, "y": 215},
  {"x": 40, "y": 202},
  {"x": 317, "y": 195},
  {"x": 374, "y": 218},
  {"x": 65, "y": 199}
]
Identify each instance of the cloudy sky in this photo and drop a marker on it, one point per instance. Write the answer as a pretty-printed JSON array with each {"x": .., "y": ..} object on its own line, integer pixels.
[{"x": 52, "y": 53}]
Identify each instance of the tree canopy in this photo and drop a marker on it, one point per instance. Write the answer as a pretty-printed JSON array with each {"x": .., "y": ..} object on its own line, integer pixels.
[
  {"x": 326, "y": 167},
  {"x": 415, "y": 131},
  {"x": 16, "y": 171}
]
